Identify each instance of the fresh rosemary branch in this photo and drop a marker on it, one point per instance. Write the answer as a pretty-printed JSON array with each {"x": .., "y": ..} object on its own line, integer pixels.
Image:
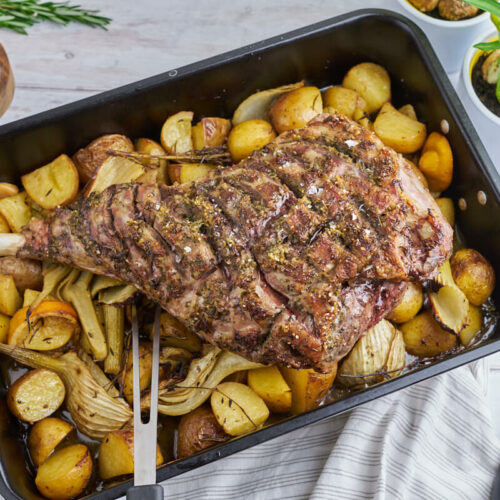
[{"x": 18, "y": 15}]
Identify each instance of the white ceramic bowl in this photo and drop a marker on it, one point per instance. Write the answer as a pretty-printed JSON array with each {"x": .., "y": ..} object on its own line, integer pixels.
[
  {"x": 470, "y": 56},
  {"x": 450, "y": 39}
]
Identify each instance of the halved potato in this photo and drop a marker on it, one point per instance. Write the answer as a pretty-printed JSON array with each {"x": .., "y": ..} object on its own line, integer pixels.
[
  {"x": 345, "y": 101},
  {"x": 410, "y": 304},
  {"x": 176, "y": 133},
  {"x": 397, "y": 131},
  {"x": 145, "y": 363},
  {"x": 270, "y": 385},
  {"x": 174, "y": 334},
  {"x": 8, "y": 189},
  {"x": 447, "y": 209},
  {"x": 4, "y": 328},
  {"x": 116, "y": 454},
  {"x": 10, "y": 300},
  {"x": 449, "y": 308},
  {"x": 55, "y": 184},
  {"x": 473, "y": 326},
  {"x": 114, "y": 170},
  {"x": 424, "y": 337},
  {"x": 66, "y": 473},
  {"x": 4, "y": 225},
  {"x": 89, "y": 158},
  {"x": 295, "y": 108},
  {"x": 187, "y": 172},
  {"x": 157, "y": 173},
  {"x": 16, "y": 210},
  {"x": 210, "y": 132},
  {"x": 45, "y": 436},
  {"x": 371, "y": 82},
  {"x": 248, "y": 136},
  {"x": 256, "y": 106},
  {"x": 308, "y": 387},
  {"x": 36, "y": 395},
  {"x": 237, "y": 408},
  {"x": 27, "y": 273}
]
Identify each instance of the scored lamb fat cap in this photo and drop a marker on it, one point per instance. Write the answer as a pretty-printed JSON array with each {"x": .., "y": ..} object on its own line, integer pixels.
[{"x": 287, "y": 257}]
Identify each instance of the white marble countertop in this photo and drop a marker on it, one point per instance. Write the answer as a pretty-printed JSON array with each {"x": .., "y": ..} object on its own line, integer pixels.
[{"x": 56, "y": 65}]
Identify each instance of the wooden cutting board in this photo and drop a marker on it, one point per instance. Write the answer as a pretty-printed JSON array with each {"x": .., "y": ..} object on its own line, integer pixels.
[{"x": 6, "y": 81}]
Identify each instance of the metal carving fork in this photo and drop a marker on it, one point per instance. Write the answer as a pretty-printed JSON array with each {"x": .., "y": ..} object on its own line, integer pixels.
[{"x": 145, "y": 487}]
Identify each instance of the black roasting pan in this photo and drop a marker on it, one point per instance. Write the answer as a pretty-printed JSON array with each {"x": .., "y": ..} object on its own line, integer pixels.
[{"x": 321, "y": 54}]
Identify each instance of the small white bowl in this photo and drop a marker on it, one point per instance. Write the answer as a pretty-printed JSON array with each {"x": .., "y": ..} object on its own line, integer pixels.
[
  {"x": 470, "y": 58},
  {"x": 449, "y": 38}
]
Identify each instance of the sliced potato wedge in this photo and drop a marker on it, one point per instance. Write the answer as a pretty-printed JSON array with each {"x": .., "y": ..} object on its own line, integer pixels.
[
  {"x": 145, "y": 362},
  {"x": 176, "y": 133},
  {"x": 270, "y": 385},
  {"x": 36, "y": 395},
  {"x": 450, "y": 308},
  {"x": 187, "y": 172},
  {"x": 10, "y": 300},
  {"x": 4, "y": 225},
  {"x": 409, "y": 111},
  {"x": 210, "y": 132},
  {"x": 473, "y": 326},
  {"x": 66, "y": 473},
  {"x": 16, "y": 210},
  {"x": 237, "y": 408},
  {"x": 8, "y": 189},
  {"x": 55, "y": 184},
  {"x": 45, "y": 436},
  {"x": 256, "y": 106}
]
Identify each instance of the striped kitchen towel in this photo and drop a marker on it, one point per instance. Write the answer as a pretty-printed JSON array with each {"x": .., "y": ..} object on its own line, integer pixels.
[{"x": 434, "y": 440}]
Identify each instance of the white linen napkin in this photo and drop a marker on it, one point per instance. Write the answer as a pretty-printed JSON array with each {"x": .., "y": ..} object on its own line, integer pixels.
[{"x": 434, "y": 440}]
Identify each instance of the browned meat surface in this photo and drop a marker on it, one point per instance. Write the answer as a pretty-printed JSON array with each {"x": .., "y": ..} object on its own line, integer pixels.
[{"x": 287, "y": 257}]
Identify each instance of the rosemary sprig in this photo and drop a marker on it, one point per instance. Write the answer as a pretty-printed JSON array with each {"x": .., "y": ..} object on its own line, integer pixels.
[{"x": 18, "y": 15}]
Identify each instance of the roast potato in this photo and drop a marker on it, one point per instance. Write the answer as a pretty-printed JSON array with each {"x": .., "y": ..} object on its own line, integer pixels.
[
  {"x": 308, "y": 387},
  {"x": 361, "y": 117},
  {"x": 8, "y": 189},
  {"x": 16, "y": 210},
  {"x": 397, "y": 131},
  {"x": 36, "y": 395},
  {"x": 473, "y": 274},
  {"x": 174, "y": 334},
  {"x": 197, "y": 431},
  {"x": 93, "y": 155},
  {"x": 187, "y": 172},
  {"x": 176, "y": 133},
  {"x": 345, "y": 101},
  {"x": 4, "y": 328},
  {"x": 424, "y": 5},
  {"x": 210, "y": 132},
  {"x": 158, "y": 171},
  {"x": 371, "y": 82},
  {"x": 424, "y": 337},
  {"x": 116, "y": 454},
  {"x": 270, "y": 385},
  {"x": 55, "y": 184},
  {"x": 145, "y": 363},
  {"x": 248, "y": 136},
  {"x": 4, "y": 225},
  {"x": 10, "y": 300},
  {"x": 409, "y": 111},
  {"x": 436, "y": 162},
  {"x": 45, "y": 436},
  {"x": 454, "y": 10},
  {"x": 237, "y": 408},
  {"x": 66, "y": 473},
  {"x": 295, "y": 108},
  {"x": 27, "y": 273},
  {"x": 410, "y": 304},
  {"x": 473, "y": 326},
  {"x": 447, "y": 209}
]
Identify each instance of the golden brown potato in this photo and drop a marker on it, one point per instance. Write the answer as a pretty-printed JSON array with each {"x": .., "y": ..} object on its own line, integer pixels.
[
  {"x": 8, "y": 189},
  {"x": 66, "y": 473},
  {"x": 473, "y": 326},
  {"x": 295, "y": 108},
  {"x": 371, "y": 82},
  {"x": 447, "y": 209},
  {"x": 308, "y": 387},
  {"x": 345, "y": 101},
  {"x": 27, "y": 273},
  {"x": 361, "y": 117},
  {"x": 454, "y": 10},
  {"x": 473, "y": 274},
  {"x": 436, "y": 162},
  {"x": 409, "y": 111},
  {"x": 16, "y": 210},
  {"x": 116, "y": 454},
  {"x": 210, "y": 132},
  {"x": 10, "y": 300},
  {"x": 4, "y": 225},
  {"x": 237, "y": 408},
  {"x": 45, "y": 436},
  {"x": 175, "y": 134},
  {"x": 187, "y": 172},
  {"x": 270, "y": 385},
  {"x": 397, "y": 131},
  {"x": 158, "y": 171},
  {"x": 145, "y": 363},
  {"x": 424, "y": 337},
  {"x": 410, "y": 304},
  {"x": 92, "y": 156},
  {"x": 248, "y": 136},
  {"x": 197, "y": 431},
  {"x": 36, "y": 395},
  {"x": 55, "y": 184},
  {"x": 4, "y": 328},
  {"x": 174, "y": 334}
]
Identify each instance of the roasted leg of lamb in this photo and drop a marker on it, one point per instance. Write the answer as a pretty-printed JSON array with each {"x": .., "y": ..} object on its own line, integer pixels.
[{"x": 287, "y": 257}]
